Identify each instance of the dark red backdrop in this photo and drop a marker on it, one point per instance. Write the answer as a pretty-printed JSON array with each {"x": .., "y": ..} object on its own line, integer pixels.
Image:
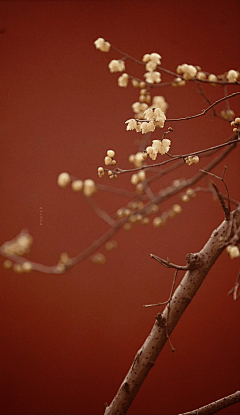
[{"x": 67, "y": 341}]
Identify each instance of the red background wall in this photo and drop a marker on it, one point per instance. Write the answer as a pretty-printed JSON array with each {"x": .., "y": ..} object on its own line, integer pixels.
[{"x": 67, "y": 341}]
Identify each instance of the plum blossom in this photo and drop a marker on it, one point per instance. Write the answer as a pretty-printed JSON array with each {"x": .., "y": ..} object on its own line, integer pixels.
[
  {"x": 102, "y": 45},
  {"x": 116, "y": 66}
]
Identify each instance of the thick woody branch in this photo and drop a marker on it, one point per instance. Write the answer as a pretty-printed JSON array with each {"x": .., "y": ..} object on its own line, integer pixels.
[
  {"x": 216, "y": 406},
  {"x": 199, "y": 265}
]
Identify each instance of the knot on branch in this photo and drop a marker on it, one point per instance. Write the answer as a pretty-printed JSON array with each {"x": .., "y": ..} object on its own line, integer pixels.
[
  {"x": 161, "y": 322},
  {"x": 194, "y": 261}
]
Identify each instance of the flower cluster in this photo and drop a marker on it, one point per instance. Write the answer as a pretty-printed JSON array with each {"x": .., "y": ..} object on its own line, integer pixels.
[
  {"x": 138, "y": 109},
  {"x": 187, "y": 71},
  {"x": 152, "y": 60},
  {"x": 171, "y": 213},
  {"x": 102, "y": 45},
  {"x": 18, "y": 246},
  {"x": 109, "y": 158},
  {"x": 26, "y": 266},
  {"x": 137, "y": 159},
  {"x": 189, "y": 194},
  {"x": 235, "y": 124},
  {"x": 228, "y": 114},
  {"x": 154, "y": 117},
  {"x": 233, "y": 251},
  {"x": 179, "y": 82},
  {"x": 158, "y": 146},
  {"x": 63, "y": 262},
  {"x": 87, "y": 186},
  {"x": 158, "y": 101},
  {"x": 109, "y": 161},
  {"x": 138, "y": 177},
  {"x": 192, "y": 160}
]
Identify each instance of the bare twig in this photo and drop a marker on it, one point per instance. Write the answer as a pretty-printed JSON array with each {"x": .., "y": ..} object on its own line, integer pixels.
[
  {"x": 216, "y": 406},
  {"x": 168, "y": 264},
  {"x": 226, "y": 209},
  {"x": 234, "y": 290},
  {"x": 203, "y": 112},
  {"x": 101, "y": 213}
]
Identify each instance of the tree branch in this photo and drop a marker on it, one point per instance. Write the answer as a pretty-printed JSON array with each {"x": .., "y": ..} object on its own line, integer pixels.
[
  {"x": 200, "y": 264},
  {"x": 216, "y": 406}
]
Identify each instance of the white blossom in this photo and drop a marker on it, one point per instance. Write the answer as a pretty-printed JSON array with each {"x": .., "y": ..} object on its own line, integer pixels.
[
  {"x": 159, "y": 115},
  {"x": 63, "y": 179},
  {"x": 153, "y": 156},
  {"x": 152, "y": 77},
  {"x": 107, "y": 160},
  {"x": 111, "y": 153},
  {"x": 102, "y": 45},
  {"x": 149, "y": 150},
  {"x": 123, "y": 80},
  {"x": 146, "y": 57},
  {"x": 159, "y": 102},
  {"x": 131, "y": 124},
  {"x": 116, "y": 66},
  {"x": 151, "y": 126},
  {"x": 144, "y": 127},
  {"x": 150, "y": 66},
  {"x": 212, "y": 78},
  {"x": 139, "y": 106},
  {"x": 201, "y": 76},
  {"x": 77, "y": 185},
  {"x": 148, "y": 114},
  {"x": 192, "y": 160},
  {"x": 188, "y": 71},
  {"x": 89, "y": 187},
  {"x": 232, "y": 76},
  {"x": 233, "y": 251},
  {"x": 156, "y": 58},
  {"x": 161, "y": 146}
]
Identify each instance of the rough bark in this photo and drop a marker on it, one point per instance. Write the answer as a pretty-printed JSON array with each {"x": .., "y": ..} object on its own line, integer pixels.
[{"x": 199, "y": 265}]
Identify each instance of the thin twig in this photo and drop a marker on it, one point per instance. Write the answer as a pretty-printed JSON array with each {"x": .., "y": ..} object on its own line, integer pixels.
[
  {"x": 101, "y": 213},
  {"x": 216, "y": 406},
  {"x": 168, "y": 264},
  {"x": 226, "y": 209}
]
